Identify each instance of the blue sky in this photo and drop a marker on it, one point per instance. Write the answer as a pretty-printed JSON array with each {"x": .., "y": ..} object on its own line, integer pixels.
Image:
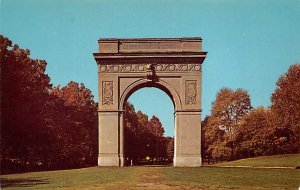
[{"x": 250, "y": 43}]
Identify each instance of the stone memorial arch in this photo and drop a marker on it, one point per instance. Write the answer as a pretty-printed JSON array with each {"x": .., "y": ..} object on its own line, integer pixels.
[{"x": 170, "y": 64}]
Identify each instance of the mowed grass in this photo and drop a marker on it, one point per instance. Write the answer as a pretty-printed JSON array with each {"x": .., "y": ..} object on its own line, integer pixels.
[
  {"x": 235, "y": 178},
  {"x": 288, "y": 160},
  {"x": 86, "y": 178},
  {"x": 156, "y": 178}
]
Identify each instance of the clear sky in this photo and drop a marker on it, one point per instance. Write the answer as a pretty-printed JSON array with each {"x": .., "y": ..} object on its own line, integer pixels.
[{"x": 250, "y": 43}]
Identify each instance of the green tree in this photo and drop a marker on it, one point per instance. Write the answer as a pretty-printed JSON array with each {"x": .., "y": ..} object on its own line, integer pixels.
[{"x": 286, "y": 106}]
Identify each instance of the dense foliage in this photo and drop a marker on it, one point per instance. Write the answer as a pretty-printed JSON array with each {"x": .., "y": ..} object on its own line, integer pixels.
[
  {"x": 144, "y": 138},
  {"x": 235, "y": 130},
  {"x": 227, "y": 112},
  {"x": 286, "y": 106},
  {"x": 43, "y": 127},
  {"x": 52, "y": 127}
]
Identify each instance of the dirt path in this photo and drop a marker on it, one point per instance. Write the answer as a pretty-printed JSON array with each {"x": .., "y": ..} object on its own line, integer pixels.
[{"x": 152, "y": 178}]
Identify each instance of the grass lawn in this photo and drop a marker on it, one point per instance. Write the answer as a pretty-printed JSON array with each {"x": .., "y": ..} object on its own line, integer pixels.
[
  {"x": 156, "y": 178},
  {"x": 288, "y": 160}
]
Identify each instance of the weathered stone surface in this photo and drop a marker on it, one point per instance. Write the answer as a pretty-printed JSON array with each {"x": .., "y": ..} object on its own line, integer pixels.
[
  {"x": 170, "y": 64},
  {"x": 134, "y": 68},
  {"x": 147, "y": 45}
]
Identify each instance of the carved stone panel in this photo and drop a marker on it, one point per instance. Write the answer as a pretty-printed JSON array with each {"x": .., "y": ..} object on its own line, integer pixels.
[
  {"x": 132, "y": 68},
  {"x": 150, "y": 47},
  {"x": 190, "y": 92},
  {"x": 107, "y": 93}
]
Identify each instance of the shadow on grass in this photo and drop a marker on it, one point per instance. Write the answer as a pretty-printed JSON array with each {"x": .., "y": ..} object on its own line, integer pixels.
[
  {"x": 22, "y": 182},
  {"x": 158, "y": 166}
]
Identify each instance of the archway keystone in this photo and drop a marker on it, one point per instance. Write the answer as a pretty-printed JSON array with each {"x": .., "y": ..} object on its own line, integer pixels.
[{"x": 170, "y": 64}]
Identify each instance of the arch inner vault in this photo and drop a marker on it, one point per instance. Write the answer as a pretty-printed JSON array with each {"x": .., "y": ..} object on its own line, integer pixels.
[{"x": 170, "y": 64}]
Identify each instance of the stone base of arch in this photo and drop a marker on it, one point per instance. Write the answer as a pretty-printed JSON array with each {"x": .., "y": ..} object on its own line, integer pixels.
[
  {"x": 182, "y": 161},
  {"x": 108, "y": 161},
  {"x": 187, "y": 161},
  {"x": 187, "y": 144},
  {"x": 187, "y": 138},
  {"x": 110, "y": 138}
]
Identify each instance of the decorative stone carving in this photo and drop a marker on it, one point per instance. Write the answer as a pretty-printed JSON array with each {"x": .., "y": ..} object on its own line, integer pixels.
[
  {"x": 107, "y": 93},
  {"x": 132, "y": 68},
  {"x": 150, "y": 72},
  {"x": 150, "y": 47},
  {"x": 190, "y": 92}
]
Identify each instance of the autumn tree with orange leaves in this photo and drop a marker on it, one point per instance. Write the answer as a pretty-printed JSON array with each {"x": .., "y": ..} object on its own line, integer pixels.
[
  {"x": 24, "y": 92},
  {"x": 250, "y": 132},
  {"x": 286, "y": 106},
  {"x": 144, "y": 137},
  {"x": 222, "y": 126},
  {"x": 42, "y": 127}
]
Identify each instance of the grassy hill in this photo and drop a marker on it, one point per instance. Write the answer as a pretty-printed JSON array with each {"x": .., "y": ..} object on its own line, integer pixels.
[
  {"x": 287, "y": 160},
  {"x": 156, "y": 178}
]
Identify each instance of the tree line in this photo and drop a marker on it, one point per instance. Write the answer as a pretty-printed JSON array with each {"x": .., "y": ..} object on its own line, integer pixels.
[
  {"x": 52, "y": 127},
  {"x": 47, "y": 127},
  {"x": 43, "y": 126},
  {"x": 144, "y": 141},
  {"x": 236, "y": 130}
]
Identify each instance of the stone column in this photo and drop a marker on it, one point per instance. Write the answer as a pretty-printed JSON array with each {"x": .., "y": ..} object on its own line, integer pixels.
[
  {"x": 108, "y": 138},
  {"x": 187, "y": 138},
  {"x": 121, "y": 136}
]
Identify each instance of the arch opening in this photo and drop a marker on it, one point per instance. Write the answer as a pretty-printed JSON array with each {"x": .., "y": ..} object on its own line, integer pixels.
[
  {"x": 149, "y": 126},
  {"x": 161, "y": 85}
]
